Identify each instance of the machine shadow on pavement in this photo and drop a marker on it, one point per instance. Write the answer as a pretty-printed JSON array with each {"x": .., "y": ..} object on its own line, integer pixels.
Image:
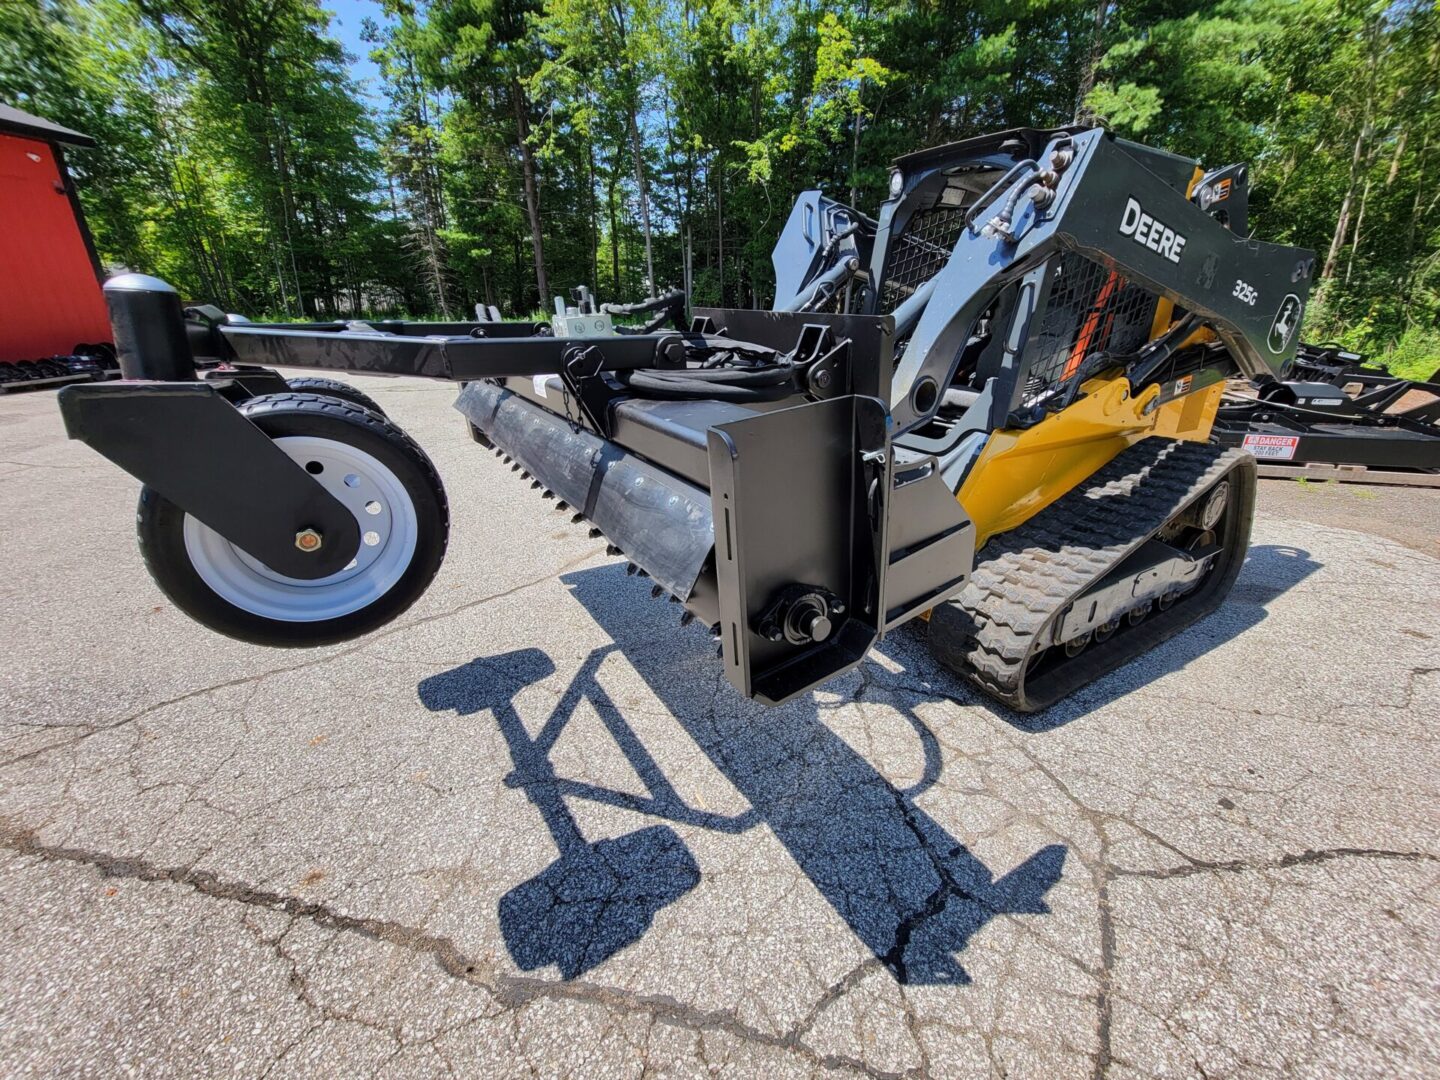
[
  {"x": 909, "y": 890},
  {"x": 1270, "y": 571}
]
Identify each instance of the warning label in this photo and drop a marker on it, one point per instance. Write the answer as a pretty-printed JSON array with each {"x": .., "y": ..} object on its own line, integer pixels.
[{"x": 1272, "y": 447}]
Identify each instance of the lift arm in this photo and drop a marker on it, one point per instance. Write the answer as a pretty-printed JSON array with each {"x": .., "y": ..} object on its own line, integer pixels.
[{"x": 1087, "y": 193}]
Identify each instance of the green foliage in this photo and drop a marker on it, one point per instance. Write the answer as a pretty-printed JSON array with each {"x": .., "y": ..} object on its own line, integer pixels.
[
  {"x": 1126, "y": 107},
  {"x": 525, "y": 146},
  {"x": 1416, "y": 355}
]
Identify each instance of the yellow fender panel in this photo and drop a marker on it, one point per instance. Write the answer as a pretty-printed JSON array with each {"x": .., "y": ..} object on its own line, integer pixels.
[{"x": 1020, "y": 472}]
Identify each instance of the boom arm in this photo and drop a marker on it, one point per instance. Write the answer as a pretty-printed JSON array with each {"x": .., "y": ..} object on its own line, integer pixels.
[
  {"x": 1109, "y": 208},
  {"x": 1105, "y": 204}
]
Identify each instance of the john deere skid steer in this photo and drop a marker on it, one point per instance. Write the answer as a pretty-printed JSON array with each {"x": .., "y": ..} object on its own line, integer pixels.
[{"x": 988, "y": 407}]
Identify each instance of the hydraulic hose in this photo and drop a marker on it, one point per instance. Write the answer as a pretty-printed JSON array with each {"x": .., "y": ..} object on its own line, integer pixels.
[
  {"x": 769, "y": 383},
  {"x": 671, "y": 308}
]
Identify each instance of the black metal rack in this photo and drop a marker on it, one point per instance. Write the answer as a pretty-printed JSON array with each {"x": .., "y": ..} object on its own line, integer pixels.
[{"x": 1338, "y": 420}]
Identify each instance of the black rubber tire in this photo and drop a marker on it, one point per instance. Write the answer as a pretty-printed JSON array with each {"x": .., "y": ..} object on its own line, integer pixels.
[
  {"x": 336, "y": 389},
  {"x": 160, "y": 526}
]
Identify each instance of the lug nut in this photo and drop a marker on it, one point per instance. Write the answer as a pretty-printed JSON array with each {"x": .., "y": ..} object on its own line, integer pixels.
[{"x": 308, "y": 541}]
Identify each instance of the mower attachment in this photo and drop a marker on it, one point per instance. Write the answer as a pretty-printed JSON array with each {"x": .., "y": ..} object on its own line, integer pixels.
[
  {"x": 662, "y": 521},
  {"x": 186, "y": 441},
  {"x": 803, "y": 480}
]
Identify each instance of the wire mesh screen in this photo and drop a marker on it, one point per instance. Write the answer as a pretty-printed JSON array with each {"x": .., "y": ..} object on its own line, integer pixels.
[
  {"x": 1091, "y": 310},
  {"x": 919, "y": 252}
]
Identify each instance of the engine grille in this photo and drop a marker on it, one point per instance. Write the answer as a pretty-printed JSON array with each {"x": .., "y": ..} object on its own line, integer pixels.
[
  {"x": 1091, "y": 309},
  {"x": 919, "y": 252}
]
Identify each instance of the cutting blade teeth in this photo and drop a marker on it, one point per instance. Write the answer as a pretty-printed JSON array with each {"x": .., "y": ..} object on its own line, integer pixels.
[
  {"x": 613, "y": 549},
  {"x": 547, "y": 494},
  {"x": 562, "y": 505},
  {"x": 535, "y": 485},
  {"x": 630, "y": 569},
  {"x": 686, "y": 618},
  {"x": 576, "y": 518},
  {"x": 595, "y": 533},
  {"x": 656, "y": 591}
]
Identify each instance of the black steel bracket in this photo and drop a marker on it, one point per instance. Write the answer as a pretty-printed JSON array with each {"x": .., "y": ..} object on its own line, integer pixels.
[
  {"x": 186, "y": 441},
  {"x": 244, "y": 381},
  {"x": 583, "y": 375},
  {"x": 824, "y": 362},
  {"x": 791, "y": 501}
]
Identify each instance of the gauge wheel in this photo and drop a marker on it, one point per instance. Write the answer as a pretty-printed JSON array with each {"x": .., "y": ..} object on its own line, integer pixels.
[
  {"x": 336, "y": 389},
  {"x": 368, "y": 464}
]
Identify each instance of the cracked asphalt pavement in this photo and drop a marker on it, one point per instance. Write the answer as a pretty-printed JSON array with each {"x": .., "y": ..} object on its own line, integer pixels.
[{"x": 528, "y": 829}]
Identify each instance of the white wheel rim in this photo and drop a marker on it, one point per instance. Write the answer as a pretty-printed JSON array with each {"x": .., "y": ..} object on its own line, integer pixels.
[{"x": 389, "y": 528}]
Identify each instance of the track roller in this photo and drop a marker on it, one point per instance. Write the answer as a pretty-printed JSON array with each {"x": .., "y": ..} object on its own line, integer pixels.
[{"x": 1144, "y": 548}]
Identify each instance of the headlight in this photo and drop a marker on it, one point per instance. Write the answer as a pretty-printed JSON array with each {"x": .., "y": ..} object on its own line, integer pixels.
[{"x": 897, "y": 184}]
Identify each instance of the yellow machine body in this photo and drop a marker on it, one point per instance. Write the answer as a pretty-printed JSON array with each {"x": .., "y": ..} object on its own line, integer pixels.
[{"x": 1020, "y": 472}]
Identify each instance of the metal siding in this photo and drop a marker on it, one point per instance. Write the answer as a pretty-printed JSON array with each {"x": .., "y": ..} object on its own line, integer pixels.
[{"x": 50, "y": 300}]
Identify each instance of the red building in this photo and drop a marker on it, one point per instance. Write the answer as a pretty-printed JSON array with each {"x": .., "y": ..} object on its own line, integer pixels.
[{"x": 50, "y": 299}]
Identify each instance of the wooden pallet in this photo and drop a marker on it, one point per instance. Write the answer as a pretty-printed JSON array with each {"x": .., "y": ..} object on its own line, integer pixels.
[{"x": 1348, "y": 474}]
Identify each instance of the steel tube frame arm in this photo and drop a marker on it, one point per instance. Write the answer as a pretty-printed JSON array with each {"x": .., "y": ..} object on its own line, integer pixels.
[{"x": 454, "y": 358}]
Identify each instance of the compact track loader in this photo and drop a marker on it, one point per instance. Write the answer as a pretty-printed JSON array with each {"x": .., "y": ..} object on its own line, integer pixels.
[{"x": 989, "y": 407}]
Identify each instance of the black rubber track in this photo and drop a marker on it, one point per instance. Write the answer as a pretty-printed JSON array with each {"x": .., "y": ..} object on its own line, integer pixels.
[
  {"x": 160, "y": 526},
  {"x": 1024, "y": 579},
  {"x": 334, "y": 388}
]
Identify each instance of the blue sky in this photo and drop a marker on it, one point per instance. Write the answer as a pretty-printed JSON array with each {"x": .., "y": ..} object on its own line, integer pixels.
[{"x": 345, "y": 25}]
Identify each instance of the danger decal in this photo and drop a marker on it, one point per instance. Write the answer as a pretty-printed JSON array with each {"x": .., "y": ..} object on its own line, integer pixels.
[{"x": 1272, "y": 447}]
